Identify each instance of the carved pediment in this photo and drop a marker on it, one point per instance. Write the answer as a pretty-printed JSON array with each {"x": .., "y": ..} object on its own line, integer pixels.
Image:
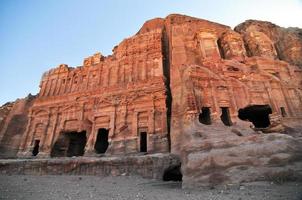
[
  {"x": 68, "y": 108},
  {"x": 41, "y": 112}
]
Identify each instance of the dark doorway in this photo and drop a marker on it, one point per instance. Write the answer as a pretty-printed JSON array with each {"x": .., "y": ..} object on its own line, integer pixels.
[
  {"x": 257, "y": 114},
  {"x": 101, "y": 143},
  {"x": 225, "y": 116},
  {"x": 143, "y": 142},
  {"x": 283, "y": 112},
  {"x": 205, "y": 116},
  {"x": 173, "y": 173},
  {"x": 36, "y": 148},
  {"x": 69, "y": 144},
  {"x": 77, "y": 142}
]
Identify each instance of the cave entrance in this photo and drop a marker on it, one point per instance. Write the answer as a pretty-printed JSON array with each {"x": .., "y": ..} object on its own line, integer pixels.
[
  {"x": 205, "y": 116},
  {"x": 257, "y": 114},
  {"x": 225, "y": 116},
  {"x": 101, "y": 143},
  {"x": 173, "y": 173},
  {"x": 36, "y": 148},
  {"x": 69, "y": 144},
  {"x": 143, "y": 142}
]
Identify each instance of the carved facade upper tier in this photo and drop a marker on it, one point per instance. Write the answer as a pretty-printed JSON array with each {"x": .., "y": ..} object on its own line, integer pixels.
[{"x": 125, "y": 69}]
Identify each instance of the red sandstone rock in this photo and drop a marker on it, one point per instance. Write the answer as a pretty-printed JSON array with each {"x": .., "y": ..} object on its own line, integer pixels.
[
  {"x": 14, "y": 119},
  {"x": 286, "y": 41},
  {"x": 152, "y": 93}
]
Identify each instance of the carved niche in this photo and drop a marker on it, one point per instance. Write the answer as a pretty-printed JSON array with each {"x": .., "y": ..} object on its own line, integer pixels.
[
  {"x": 40, "y": 130},
  {"x": 143, "y": 119},
  {"x": 232, "y": 45},
  {"x": 208, "y": 45},
  {"x": 40, "y": 116}
]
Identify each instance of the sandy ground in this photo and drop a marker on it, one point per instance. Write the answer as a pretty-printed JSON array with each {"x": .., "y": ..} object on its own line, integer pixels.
[{"x": 135, "y": 188}]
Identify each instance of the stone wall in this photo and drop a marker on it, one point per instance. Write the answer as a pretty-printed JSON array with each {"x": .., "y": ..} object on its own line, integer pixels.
[{"x": 148, "y": 166}]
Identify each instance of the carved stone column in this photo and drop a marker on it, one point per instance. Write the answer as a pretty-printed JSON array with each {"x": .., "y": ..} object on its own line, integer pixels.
[
  {"x": 287, "y": 101},
  {"x": 52, "y": 134},
  {"x": 215, "y": 111},
  {"x": 134, "y": 124},
  {"x": 269, "y": 93},
  {"x": 43, "y": 137},
  {"x": 89, "y": 148},
  {"x": 150, "y": 134},
  {"x": 233, "y": 103},
  {"x": 43, "y": 88},
  {"x": 112, "y": 123},
  {"x": 47, "y": 87}
]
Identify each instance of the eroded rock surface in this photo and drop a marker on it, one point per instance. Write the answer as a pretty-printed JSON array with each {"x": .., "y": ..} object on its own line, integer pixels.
[
  {"x": 215, "y": 155},
  {"x": 14, "y": 119},
  {"x": 287, "y": 41}
]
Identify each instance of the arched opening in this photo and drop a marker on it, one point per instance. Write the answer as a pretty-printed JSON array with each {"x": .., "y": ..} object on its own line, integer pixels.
[
  {"x": 257, "y": 114},
  {"x": 101, "y": 143},
  {"x": 69, "y": 144},
  {"x": 143, "y": 142},
  {"x": 36, "y": 148},
  {"x": 205, "y": 116},
  {"x": 225, "y": 116},
  {"x": 173, "y": 173}
]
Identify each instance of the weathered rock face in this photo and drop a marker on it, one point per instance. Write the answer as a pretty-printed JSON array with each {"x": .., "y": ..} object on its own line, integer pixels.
[
  {"x": 14, "y": 119},
  {"x": 216, "y": 154},
  {"x": 286, "y": 41},
  {"x": 186, "y": 84}
]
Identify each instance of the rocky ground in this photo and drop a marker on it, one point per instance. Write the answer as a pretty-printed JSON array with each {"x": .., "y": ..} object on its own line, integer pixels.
[{"x": 125, "y": 187}]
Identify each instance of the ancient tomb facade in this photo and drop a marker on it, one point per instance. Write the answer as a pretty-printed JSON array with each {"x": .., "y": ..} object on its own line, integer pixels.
[
  {"x": 218, "y": 75},
  {"x": 113, "y": 105},
  {"x": 173, "y": 72}
]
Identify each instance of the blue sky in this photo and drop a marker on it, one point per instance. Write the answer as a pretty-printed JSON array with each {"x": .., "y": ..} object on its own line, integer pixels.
[{"x": 36, "y": 35}]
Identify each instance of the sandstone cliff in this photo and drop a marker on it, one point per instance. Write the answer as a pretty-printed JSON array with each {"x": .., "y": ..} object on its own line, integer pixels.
[
  {"x": 14, "y": 119},
  {"x": 287, "y": 41},
  {"x": 228, "y": 102}
]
